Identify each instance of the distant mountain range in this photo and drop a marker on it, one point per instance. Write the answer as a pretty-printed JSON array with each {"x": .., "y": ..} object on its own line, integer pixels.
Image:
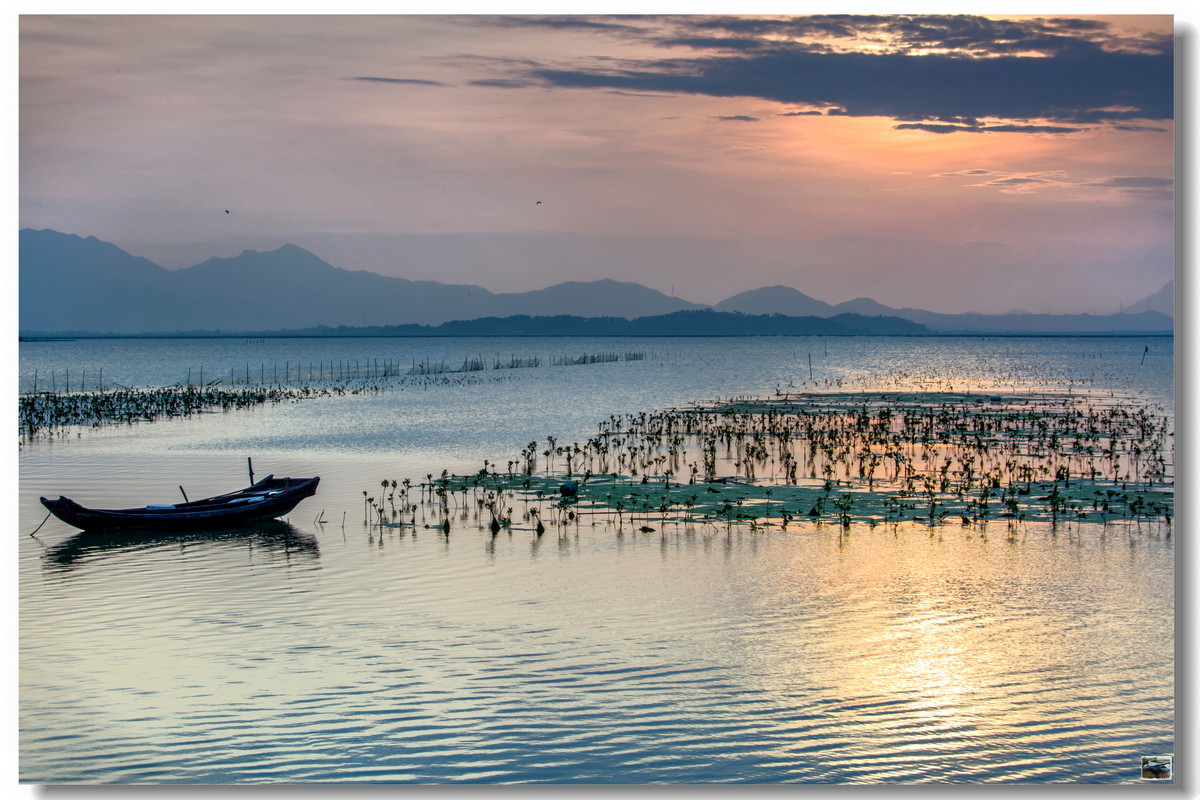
[
  {"x": 70, "y": 284},
  {"x": 1162, "y": 301},
  {"x": 1155, "y": 313},
  {"x": 696, "y": 322}
]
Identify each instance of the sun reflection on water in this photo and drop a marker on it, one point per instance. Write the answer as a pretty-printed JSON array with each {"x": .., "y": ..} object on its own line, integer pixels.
[{"x": 939, "y": 651}]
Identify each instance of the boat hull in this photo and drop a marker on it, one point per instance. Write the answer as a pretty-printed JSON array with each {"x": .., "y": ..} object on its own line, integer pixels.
[{"x": 270, "y": 498}]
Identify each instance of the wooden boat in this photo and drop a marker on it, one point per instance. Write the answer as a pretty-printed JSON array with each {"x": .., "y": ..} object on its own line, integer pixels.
[{"x": 269, "y": 498}]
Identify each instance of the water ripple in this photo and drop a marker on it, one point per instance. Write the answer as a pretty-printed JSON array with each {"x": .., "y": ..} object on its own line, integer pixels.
[{"x": 346, "y": 654}]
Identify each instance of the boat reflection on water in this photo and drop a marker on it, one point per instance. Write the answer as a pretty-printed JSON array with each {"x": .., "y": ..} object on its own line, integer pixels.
[{"x": 274, "y": 536}]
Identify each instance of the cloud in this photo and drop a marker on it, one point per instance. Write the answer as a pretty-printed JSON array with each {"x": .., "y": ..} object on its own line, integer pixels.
[
  {"x": 596, "y": 24},
  {"x": 970, "y": 173},
  {"x": 1135, "y": 183},
  {"x": 1014, "y": 183},
  {"x": 1141, "y": 187},
  {"x": 966, "y": 34},
  {"x": 930, "y": 127},
  {"x": 503, "y": 83},
  {"x": 1029, "y": 182},
  {"x": 739, "y": 118},
  {"x": 715, "y": 43},
  {"x": 1023, "y": 180},
  {"x": 932, "y": 73},
  {"x": 913, "y": 88},
  {"x": 1026, "y": 129},
  {"x": 414, "y": 81}
]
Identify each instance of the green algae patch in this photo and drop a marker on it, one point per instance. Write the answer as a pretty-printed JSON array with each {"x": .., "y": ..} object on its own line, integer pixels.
[{"x": 837, "y": 458}]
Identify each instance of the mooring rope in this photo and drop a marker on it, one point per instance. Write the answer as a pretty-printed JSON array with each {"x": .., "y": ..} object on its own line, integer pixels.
[{"x": 39, "y": 527}]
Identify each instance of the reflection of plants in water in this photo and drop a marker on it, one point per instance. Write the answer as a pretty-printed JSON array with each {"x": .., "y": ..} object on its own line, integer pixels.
[{"x": 843, "y": 505}]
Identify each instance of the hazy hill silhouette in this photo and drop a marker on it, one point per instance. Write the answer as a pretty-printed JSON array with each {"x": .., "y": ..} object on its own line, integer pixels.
[
  {"x": 776, "y": 300},
  {"x": 1162, "y": 301},
  {"x": 71, "y": 283},
  {"x": 785, "y": 300},
  {"x": 74, "y": 284}
]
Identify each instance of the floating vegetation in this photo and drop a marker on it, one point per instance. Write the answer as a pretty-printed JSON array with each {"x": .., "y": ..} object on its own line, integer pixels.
[
  {"x": 59, "y": 413},
  {"x": 45, "y": 413},
  {"x": 828, "y": 459}
]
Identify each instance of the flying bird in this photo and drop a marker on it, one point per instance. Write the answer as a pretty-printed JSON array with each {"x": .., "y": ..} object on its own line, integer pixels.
[
  {"x": 538, "y": 203},
  {"x": 227, "y": 211}
]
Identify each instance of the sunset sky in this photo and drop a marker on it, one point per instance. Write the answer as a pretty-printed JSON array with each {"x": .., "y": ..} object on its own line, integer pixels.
[{"x": 945, "y": 162}]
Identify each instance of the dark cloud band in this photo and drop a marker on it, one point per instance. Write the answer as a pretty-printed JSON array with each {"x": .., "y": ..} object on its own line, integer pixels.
[
  {"x": 938, "y": 73},
  {"x": 1086, "y": 87},
  {"x": 409, "y": 81}
]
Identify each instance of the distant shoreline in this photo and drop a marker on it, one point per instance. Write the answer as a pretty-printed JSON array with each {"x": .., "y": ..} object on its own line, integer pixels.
[{"x": 36, "y": 338}]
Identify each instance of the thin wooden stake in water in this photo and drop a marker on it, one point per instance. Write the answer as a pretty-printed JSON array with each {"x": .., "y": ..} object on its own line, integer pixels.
[
  {"x": 250, "y": 466},
  {"x": 184, "y": 494},
  {"x": 810, "y": 366}
]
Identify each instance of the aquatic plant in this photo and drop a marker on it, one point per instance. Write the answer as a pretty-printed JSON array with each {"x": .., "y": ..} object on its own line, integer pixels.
[{"x": 892, "y": 457}]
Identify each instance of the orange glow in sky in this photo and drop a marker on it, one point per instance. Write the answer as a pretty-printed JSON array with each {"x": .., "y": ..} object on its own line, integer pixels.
[{"x": 844, "y": 156}]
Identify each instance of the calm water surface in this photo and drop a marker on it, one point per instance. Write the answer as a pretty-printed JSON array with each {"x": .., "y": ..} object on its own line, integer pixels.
[{"x": 322, "y": 651}]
